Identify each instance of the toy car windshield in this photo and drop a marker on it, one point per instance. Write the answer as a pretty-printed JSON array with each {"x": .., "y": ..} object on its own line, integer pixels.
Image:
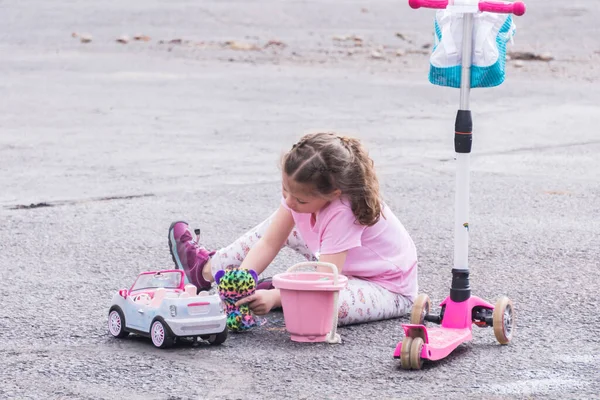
[{"x": 167, "y": 280}]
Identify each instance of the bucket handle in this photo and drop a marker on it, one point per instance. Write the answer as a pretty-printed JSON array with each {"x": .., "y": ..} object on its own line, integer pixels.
[{"x": 333, "y": 337}]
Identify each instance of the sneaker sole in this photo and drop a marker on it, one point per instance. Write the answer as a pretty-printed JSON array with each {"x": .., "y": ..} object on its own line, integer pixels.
[{"x": 173, "y": 249}]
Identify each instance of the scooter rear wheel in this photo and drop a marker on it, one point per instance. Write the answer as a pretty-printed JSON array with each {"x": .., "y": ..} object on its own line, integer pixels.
[
  {"x": 405, "y": 352},
  {"x": 504, "y": 320},
  {"x": 416, "y": 362}
]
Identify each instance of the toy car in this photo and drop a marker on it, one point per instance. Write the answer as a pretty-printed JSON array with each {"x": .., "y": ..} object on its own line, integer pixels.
[{"x": 161, "y": 306}]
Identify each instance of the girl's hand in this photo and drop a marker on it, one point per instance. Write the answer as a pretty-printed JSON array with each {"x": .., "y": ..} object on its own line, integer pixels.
[{"x": 262, "y": 301}]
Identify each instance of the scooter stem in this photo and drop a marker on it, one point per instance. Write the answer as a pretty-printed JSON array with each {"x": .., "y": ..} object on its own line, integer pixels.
[{"x": 460, "y": 290}]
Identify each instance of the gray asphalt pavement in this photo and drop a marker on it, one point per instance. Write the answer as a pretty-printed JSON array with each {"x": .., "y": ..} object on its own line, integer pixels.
[{"x": 118, "y": 140}]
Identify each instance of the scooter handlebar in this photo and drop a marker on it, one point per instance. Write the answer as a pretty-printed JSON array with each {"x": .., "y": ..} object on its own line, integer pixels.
[
  {"x": 517, "y": 8},
  {"x": 428, "y": 3}
]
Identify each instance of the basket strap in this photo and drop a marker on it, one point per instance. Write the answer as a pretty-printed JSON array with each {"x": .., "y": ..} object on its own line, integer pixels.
[
  {"x": 447, "y": 40},
  {"x": 483, "y": 26}
]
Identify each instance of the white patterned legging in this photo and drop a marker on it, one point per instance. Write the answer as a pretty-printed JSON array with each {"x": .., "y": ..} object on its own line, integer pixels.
[{"x": 361, "y": 301}]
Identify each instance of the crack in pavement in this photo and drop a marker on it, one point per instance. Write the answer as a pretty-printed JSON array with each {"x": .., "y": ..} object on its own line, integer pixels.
[
  {"x": 72, "y": 202},
  {"x": 525, "y": 149}
]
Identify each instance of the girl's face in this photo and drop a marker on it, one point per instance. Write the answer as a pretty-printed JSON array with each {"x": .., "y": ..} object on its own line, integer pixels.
[{"x": 301, "y": 198}]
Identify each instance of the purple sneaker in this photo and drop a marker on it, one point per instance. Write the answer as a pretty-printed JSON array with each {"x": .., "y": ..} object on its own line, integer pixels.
[
  {"x": 188, "y": 255},
  {"x": 265, "y": 284}
]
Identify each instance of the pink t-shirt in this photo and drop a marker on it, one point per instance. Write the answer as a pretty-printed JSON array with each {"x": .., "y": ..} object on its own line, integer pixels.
[{"x": 383, "y": 253}]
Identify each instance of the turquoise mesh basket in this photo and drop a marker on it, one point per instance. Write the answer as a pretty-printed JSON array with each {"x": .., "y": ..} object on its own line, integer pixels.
[{"x": 481, "y": 77}]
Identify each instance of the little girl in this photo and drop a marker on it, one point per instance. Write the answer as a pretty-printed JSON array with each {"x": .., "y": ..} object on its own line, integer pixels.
[{"x": 330, "y": 211}]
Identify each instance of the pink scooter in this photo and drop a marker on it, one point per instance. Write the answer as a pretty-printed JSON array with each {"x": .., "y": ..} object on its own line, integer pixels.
[{"x": 460, "y": 310}]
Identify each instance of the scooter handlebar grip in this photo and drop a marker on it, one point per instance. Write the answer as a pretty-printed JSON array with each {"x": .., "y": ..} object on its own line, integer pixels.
[
  {"x": 517, "y": 8},
  {"x": 428, "y": 4}
]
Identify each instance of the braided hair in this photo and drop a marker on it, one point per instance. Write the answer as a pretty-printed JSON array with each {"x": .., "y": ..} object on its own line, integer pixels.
[{"x": 329, "y": 161}]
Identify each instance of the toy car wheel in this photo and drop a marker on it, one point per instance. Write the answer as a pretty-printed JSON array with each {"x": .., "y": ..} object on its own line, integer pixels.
[
  {"x": 405, "y": 352},
  {"x": 160, "y": 335},
  {"x": 219, "y": 338},
  {"x": 116, "y": 324},
  {"x": 504, "y": 320},
  {"x": 421, "y": 307},
  {"x": 416, "y": 362}
]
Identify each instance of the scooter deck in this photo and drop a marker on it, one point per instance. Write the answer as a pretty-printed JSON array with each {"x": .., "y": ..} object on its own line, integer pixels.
[{"x": 439, "y": 341}]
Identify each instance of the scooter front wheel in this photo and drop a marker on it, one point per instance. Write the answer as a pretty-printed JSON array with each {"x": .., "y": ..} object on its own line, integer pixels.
[
  {"x": 504, "y": 320},
  {"x": 421, "y": 307}
]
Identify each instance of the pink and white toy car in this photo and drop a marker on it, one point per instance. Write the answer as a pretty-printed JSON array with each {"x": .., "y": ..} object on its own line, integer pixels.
[{"x": 161, "y": 306}]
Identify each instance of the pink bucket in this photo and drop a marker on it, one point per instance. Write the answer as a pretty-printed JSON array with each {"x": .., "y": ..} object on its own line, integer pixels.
[{"x": 310, "y": 302}]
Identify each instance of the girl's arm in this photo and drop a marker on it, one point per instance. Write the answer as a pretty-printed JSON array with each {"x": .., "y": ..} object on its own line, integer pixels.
[
  {"x": 338, "y": 259},
  {"x": 264, "y": 252}
]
